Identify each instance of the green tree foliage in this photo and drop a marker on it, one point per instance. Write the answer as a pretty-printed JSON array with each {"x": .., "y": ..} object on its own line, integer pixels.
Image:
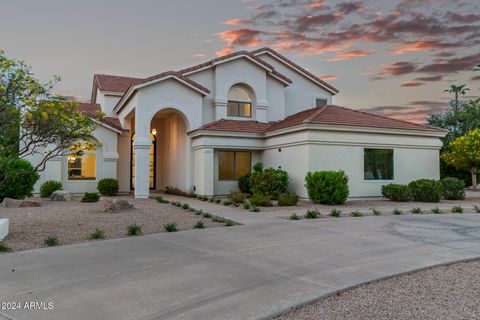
[
  {"x": 327, "y": 187},
  {"x": 464, "y": 154},
  {"x": 21, "y": 179},
  {"x": 457, "y": 90},
  {"x": 33, "y": 121}
]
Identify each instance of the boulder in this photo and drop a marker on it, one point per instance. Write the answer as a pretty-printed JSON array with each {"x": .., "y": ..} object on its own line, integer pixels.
[
  {"x": 30, "y": 203},
  {"x": 10, "y": 203},
  {"x": 61, "y": 195},
  {"x": 115, "y": 204}
]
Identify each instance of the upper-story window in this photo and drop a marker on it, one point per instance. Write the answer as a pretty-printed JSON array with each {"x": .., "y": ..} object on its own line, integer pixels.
[
  {"x": 239, "y": 102},
  {"x": 320, "y": 102}
]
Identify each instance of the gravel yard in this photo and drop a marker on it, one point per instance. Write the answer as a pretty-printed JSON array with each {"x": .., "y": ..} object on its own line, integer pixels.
[
  {"x": 73, "y": 221},
  {"x": 445, "y": 292}
]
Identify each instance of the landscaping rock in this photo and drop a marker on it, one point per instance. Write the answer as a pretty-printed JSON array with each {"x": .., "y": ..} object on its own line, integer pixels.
[
  {"x": 115, "y": 204},
  {"x": 61, "y": 195},
  {"x": 30, "y": 203},
  {"x": 10, "y": 203}
]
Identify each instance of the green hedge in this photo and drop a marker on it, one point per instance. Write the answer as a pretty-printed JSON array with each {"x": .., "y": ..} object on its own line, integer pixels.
[
  {"x": 426, "y": 190},
  {"x": 49, "y": 187},
  {"x": 453, "y": 188},
  {"x": 108, "y": 186},
  {"x": 397, "y": 192},
  {"x": 327, "y": 187},
  {"x": 288, "y": 199},
  {"x": 20, "y": 178},
  {"x": 269, "y": 182}
]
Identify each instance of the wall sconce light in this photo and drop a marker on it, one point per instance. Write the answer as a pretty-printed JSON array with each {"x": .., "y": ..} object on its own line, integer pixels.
[
  {"x": 154, "y": 132},
  {"x": 279, "y": 149}
]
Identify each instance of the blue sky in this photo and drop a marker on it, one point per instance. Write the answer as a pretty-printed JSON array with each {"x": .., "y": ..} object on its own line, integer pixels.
[{"x": 394, "y": 57}]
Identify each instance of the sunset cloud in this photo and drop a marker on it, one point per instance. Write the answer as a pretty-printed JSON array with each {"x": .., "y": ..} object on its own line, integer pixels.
[
  {"x": 412, "y": 84},
  {"x": 328, "y": 77},
  {"x": 347, "y": 55},
  {"x": 234, "y": 22}
]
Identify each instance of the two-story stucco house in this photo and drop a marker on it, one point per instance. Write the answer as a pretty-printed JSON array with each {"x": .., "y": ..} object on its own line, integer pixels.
[{"x": 201, "y": 128}]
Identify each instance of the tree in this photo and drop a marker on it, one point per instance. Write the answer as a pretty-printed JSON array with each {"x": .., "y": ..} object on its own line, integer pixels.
[
  {"x": 464, "y": 154},
  {"x": 457, "y": 90},
  {"x": 477, "y": 67},
  {"x": 34, "y": 122}
]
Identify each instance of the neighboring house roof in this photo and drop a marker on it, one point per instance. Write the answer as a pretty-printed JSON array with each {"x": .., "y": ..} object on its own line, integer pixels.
[
  {"x": 111, "y": 83},
  {"x": 329, "y": 115},
  {"x": 93, "y": 109},
  {"x": 296, "y": 67}
]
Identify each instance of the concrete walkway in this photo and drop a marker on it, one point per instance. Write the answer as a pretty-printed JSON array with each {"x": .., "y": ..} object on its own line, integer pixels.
[{"x": 255, "y": 270}]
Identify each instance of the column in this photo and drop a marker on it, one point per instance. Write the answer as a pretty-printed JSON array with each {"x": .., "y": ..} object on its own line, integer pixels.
[{"x": 142, "y": 167}]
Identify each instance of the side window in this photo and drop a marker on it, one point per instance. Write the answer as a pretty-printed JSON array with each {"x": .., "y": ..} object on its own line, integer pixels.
[
  {"x": 378, "y": 164},
  {"x": 233, "y": 164},
  {"x": 239, "y": 102},
  {"x": 320, "y": 102},
  {"x": 82, "y": 162}
]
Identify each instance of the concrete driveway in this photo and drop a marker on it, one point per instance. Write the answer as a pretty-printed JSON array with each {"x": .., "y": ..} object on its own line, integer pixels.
[{"x": 251, "y": 271}]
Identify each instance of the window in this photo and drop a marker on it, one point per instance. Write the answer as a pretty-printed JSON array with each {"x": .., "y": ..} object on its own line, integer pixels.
[
  {"x": 378, "y": 164},
  {"x": 82, "y": 163},
  {"x": 320, "y": 102},
  {"x": 233, "y": 164},
  {"x": 239, "y": 103}
]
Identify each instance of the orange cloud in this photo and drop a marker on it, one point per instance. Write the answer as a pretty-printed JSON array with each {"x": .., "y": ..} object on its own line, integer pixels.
[
  {"x": 328, "y": 77},
  {"x": 412, "y": 84},
  {"x": 234, "y": 22},
  {"x": 240, "y": 37},
  {"x": 317, "y": 4},
  {"x": 420, "y": 46},
  {"x": 347, "y": 55}
]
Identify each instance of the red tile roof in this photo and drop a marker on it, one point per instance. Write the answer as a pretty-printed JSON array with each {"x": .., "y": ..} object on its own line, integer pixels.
[
  {"x": 93, "y": 109},
  {"x": 282, "y": 57},
  {"x": 107, "y": 82},
  {"x": 329, "y": 115}
]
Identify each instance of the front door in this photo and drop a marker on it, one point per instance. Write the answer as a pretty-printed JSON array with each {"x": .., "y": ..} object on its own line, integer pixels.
[{"x": 152, "y": 164}]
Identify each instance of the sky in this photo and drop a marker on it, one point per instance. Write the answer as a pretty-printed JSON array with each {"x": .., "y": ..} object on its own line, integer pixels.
[{"x": 393, "y": 57}]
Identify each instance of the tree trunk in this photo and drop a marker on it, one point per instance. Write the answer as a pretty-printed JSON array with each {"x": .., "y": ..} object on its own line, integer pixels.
[{"x": 474, "y": 178}]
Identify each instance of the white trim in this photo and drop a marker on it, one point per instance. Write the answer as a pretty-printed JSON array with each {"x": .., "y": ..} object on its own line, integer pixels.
[
  {"x": 111, "y": 93},
  {"x": 318, "y": 96},
  {"x": 297, "y": 70}
]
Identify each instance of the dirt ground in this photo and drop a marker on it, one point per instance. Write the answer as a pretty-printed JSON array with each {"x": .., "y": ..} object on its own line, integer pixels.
[{"x": 73, "y": 221}]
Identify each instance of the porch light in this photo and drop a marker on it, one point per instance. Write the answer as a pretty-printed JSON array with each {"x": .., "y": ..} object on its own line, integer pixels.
[{"x": 154, "y": 132}]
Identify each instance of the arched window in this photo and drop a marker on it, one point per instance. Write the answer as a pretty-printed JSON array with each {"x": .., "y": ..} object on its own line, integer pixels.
[
  {"x": 152, "y": 161},
  {"x": 82, "y": 162},
  {"x": 239, "y": 102}
]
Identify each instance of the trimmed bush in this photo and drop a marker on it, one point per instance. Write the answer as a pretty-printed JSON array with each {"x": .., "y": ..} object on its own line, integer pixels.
[
  {"x": 269, "y": 182},
  {"x": 244, "y": 183},
  {"x": 134, "y": 230},
  {"x": 49, "y": 187},
  {"x": 237, "y": 197},
  {"x": 108, "y": 186},
  {"x": 199, "y": 225},
  {"x": 327, "y": 187},
  {"x": 90, "y": 197},
  {"x": 20, "y": 178},
  {"x": 170, "y": 227},
  {"x": 453, "y": 189},
  {"x": 260, "y": 200},
  {"x": 426, "y": 190},
  {"x": 396, "y": 192},
  {"x": 288, "y": 199}
]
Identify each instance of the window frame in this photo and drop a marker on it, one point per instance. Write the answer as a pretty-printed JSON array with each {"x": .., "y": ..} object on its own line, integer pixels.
[
  {"x": 94, "y": 153},
  {"x": 240, "y": 103},
  {"x": 393, "y": 165},
  {"x": 319, "y": 97},
  {"x": 234, "y": 163}
]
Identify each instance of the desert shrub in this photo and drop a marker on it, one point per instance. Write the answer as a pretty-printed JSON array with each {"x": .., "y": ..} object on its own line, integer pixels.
[
  {"x": 217, "y": 201},
  {"x": 261, "y": 200},
  {"x": 416, "y": 210},
  {"x": 185, "y": 206},
  {"x": 244, "y": 183},
  {"x": 108, "y": 186},
  {"x": 397, "y": 212},
  {"x": 269, "y": 182},
  {"x": 426, "y": 190},
  {"x": 161, "y": 199},
  {"x": 49, "y": 187},
  {"x": 246, "y": 205},
  {"x": 288, "y": 199},
  {"x": 254, "y": 209},
  {"x": 327, "y": 187},
  {"x": 134, "y": 230},
  {"x": 356, "y": 214},
  {"x": 229, "y": 223},
  {"x": 90, "y": 197},
  {"x": 3, "y": 247},
  {"x": 476, "y": 208},
  {"x": 294, "y": 216},
  {"x": 206, "y": 215},
  {"x": 20, "y": 179},
  {"x": 97, "y": 234},
  {"x": 312, "y": 214},
  {"x": 170, "y": 227},
  {"x": 453, "y": 189},
  {"x": 176, "y": 191},
  {"x": 51, "y": 240},
  {"x": 457, "y": 209},
  {"x": 227, "y": 203},
  {"x": 237, "y": 197},
  {"x": 376, "y": 212},
  {"x": 199, "y": 225},
  {"x": 335, "y": 213},
  {"x": 396, "y": 192},
  {"x": 436, "y": 210}
]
